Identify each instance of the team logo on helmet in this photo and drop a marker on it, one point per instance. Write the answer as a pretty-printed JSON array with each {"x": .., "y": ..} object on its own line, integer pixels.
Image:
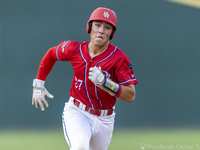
[{"x": 106, "y": 14}]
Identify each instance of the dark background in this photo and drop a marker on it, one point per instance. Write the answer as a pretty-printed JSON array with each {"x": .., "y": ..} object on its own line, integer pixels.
[{"x": 161, "y": 39}]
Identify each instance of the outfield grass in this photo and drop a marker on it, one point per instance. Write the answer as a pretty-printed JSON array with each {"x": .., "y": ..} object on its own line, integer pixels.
[{"x": 170, "y": 139}]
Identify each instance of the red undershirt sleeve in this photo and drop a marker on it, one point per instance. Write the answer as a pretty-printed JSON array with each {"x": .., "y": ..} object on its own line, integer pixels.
[{"x": 46, "y": 64}]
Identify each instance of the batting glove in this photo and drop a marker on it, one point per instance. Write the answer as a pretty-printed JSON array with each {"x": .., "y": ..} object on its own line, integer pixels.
[
  {"x": 39, "y": 94},
  {"x": 96, "y": 76},
  {"x": 100, "y": 79}
]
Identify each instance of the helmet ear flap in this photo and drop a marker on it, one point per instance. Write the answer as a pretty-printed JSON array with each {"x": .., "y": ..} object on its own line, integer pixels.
[
  {"x": 112, "y": 34},
  {"x": 89, "y": 26}
]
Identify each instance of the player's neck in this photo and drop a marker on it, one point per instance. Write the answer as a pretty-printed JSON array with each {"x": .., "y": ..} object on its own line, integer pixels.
[{"x": 95, "y": 50}]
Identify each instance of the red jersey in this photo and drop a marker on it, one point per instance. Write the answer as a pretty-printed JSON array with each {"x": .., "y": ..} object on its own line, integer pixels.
[{"x": 113, "y": 62}]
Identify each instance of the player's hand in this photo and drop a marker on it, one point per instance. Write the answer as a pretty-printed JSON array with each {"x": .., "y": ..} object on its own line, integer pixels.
[
  {"x": 39, "y": 94},
  {"x": 96, "y": 76}
]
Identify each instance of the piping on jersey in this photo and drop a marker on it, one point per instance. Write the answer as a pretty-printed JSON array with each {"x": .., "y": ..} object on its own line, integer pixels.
[
  {"x": 100, "y": 61},
  {"x": 127, "y": 81},
  {"x": 85, "y": 74}
]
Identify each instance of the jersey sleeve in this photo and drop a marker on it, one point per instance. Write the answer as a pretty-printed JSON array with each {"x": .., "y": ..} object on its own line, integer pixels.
[
  {"x": 124, "y": 71},
  {"x": 61, "y": 52},
  {"x": 65, "y": 50}
]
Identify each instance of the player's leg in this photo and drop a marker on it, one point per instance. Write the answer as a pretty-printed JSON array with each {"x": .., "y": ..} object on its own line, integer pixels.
[
  {"x": 76, "y": 127},
  {"x": 102, "y": 135}
]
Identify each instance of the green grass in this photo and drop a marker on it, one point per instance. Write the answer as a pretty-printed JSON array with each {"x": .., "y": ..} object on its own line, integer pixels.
[{"x": 170, "y": 139}]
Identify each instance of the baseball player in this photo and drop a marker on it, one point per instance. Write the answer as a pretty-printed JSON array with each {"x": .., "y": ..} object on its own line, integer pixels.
[{"x": 102, "y": 74}]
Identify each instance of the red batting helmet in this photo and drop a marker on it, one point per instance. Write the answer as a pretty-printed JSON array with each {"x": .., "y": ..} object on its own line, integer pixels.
[{"x": 103, "y": 14}]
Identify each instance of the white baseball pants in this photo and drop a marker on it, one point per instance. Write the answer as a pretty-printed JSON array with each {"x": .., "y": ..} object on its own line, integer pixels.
[{"x": 84, "y": 131}]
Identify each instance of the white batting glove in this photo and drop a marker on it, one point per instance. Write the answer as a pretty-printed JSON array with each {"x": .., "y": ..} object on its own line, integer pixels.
[
  {"x": 96, "y": 76},
  {"x": 39, "y": 93}
]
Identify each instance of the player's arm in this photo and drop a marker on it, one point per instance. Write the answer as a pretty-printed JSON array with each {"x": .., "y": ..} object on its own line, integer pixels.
[
  {"x": 61, "y": 52},
  {"x": 39, "y": 91},
  {"x": 126, "y": 93}
]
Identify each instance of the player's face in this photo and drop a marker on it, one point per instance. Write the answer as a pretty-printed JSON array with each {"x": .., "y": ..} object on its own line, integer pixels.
[{"x": 100, "y": 33}]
